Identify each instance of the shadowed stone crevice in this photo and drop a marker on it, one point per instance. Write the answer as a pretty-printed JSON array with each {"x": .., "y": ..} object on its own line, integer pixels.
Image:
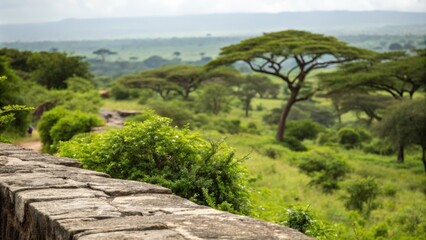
[{"x": 47, "y": 197}]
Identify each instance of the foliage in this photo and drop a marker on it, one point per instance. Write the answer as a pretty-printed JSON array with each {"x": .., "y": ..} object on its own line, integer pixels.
[
  {"x": 294, "y": 144},
  {"x": 406, "y": 123},
  {"x": 214, "y": 98},
  {"x": 303, "y": 220},
  {"x": 88, "y": 102},
  {"x": 60, "y": 124},
  {"x": 154, "y": 151},
  {"x": 325, "y": 168},
  {"x": 178, "y": 111},
  {"x": 12, "y": 95},
  {"x": 303, "y": 129},
  {"x": 379, "y": 146},
  {"x": 79, "y": 84},
  {"x": 349, "y": 137},
  {"x": 53, "y": 69},
  {"x": 7, "y": 115},
  {"x": 304, "y": 111},
  {"x": 395, "y": 74},
  {"x": 228, "y": 126},
  {"x": 327, "y": 137},
  {"x": 362, "y": 193},
  {"x": 121, "y": 92}
]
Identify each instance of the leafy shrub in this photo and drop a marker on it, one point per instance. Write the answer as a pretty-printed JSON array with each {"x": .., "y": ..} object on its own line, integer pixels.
[
  {"x": 7, "y": 115},
  {"x": 390, "y": 190},
  {"x": 60, "y": 124},
  {"x": 362, "y": 193},
  {"x": 153, "y": 151},
  {"x": 379, "y": 146},
  {"x": 176, "y": 110},
  {"x": 89, "y": 101},
  {"x": 294, "y": 144},
  {"x": 325, "y": 169},
  {"x": 259, "y": 107},
  {"x": 303, "y": 220},
  {"x": 303, "y": 129},
  {"x": 228, "y": 126},
  {"x": 326, "y": 138},
  {"x": 251, "y": 128},
  {"x": 214, "y": 98},
  {"x": 273, "y": 117},
  {"x": 299, "y": 219},
  {"x": 349, "y": 137},
  {"x": 120, "y": 92},
  {"x": 364, "y": 135},
  {"x": 144, "y": 96}
]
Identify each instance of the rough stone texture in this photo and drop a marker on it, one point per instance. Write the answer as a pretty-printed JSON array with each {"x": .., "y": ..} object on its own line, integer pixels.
[{"x": 47, "y": 197}]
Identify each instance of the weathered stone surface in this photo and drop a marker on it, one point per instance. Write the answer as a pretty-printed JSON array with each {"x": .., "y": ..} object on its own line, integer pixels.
[
  {"x": 23, "y": 198},
  {"x": 130, "y": 235},
  {"x": 144, "y": 204},
  {"x": 75, "y": 208},
  {"x": 46, "y": 197},
  {"x": 117, "y": 187}
]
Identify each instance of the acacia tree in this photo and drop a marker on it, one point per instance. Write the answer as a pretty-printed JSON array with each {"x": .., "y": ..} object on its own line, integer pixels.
[
  {"x": 103, "y": 53},
  {"x": 406, "y": 122},
  {"x": 187, "y": 77},
  {"x": 291, "y": 56},
  {"x": 395, "y": 74}
]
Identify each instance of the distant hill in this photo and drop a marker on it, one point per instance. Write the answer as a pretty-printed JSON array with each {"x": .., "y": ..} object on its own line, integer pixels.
[{"x": 238, "y": 24}]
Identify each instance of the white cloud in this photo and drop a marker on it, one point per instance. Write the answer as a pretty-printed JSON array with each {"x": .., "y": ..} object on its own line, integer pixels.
[{"x": 15, "y": 11}]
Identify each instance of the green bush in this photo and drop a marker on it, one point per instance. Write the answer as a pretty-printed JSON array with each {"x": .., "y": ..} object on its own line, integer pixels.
[
  {"x": 228, "y": 126},
  {"x": 325, "y": 169},
  {"x": 379, "y": 146},
  {"x": 303, "y": 129},
  {"x": 299, "y": 218},
  {"x": 349, "y": 137},
  {"x": 326, "y": 138},
  {"x": 176, "y": 110},
  {"x": 362, "y": 193},
  {"x": 273, "y": 117},
  {"x": 144, "y": 96},
  {"x": 59, "y": 124},
  {"x": 154, "y": 151},
  {"x": 294, "y": 144},
  {"x": 120, "y": 92},
  {"x": 303, "y": 220},
  {"x": 389, "y": 190}
]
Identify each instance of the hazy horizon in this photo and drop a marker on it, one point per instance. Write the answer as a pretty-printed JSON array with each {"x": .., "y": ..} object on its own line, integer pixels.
[{"x": 41, "y": 11}]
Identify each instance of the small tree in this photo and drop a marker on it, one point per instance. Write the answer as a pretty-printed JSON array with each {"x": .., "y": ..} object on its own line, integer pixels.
[
  {"x": 406, "y": 123},
  {"x": 362, "y": 193},
  {"x": 325, "y": 169},
  {"x": 214, "y": 98}
]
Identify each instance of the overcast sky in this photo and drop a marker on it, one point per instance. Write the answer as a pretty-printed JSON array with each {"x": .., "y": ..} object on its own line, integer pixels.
[{"x": 26, "y": 11}]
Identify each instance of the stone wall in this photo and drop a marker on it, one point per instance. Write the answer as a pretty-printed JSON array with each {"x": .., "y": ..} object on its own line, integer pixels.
[{"x": 47, "y": 197}]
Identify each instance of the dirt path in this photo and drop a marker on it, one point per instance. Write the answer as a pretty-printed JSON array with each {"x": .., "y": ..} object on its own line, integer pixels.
[{"x": 34, "y": 145}]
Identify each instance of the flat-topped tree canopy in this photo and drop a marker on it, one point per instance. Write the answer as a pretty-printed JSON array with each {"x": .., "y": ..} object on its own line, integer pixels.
[
  {"x": 290, "y": 55},
  {"x": 269, "y": 52}
]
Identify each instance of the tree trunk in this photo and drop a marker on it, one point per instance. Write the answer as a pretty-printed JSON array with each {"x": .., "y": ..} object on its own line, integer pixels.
[
  {"x": 400, "y": 157},
  {"x": 247, "y": 107},
  {"x": 284, "y": 114},
  {"x": 424, "y": 158}
]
